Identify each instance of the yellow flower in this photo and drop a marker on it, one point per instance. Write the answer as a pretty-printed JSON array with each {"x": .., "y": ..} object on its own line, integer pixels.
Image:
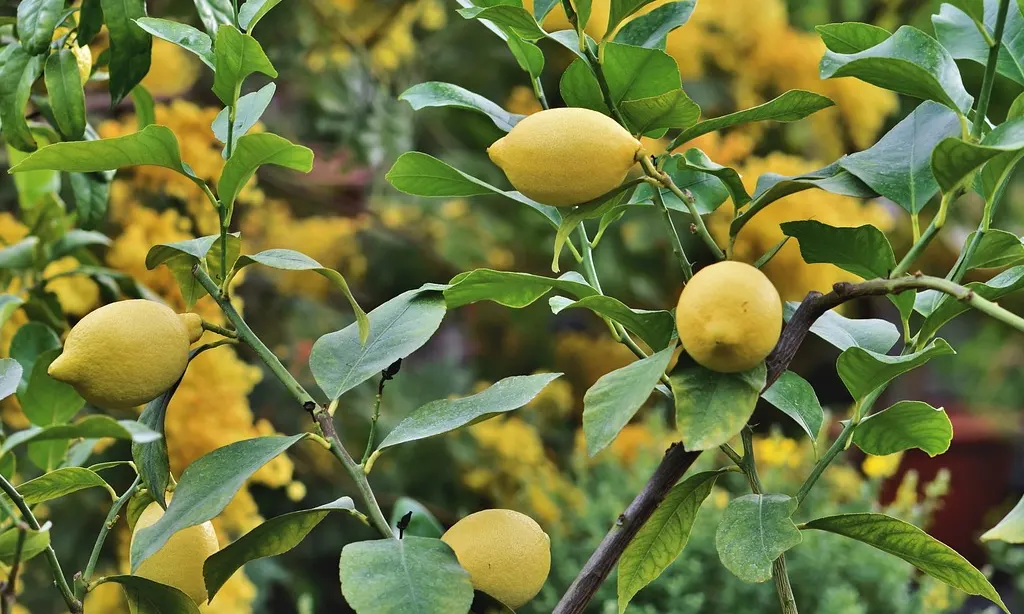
[
  {"x": 523, "y": 101},
  {"x": 296, "y": 491},
  {"x": 881, "y": 467},
  {"x": 779, "y": 451},
  {"x": 77, "y": 294},
  {"x": 633, "y": 440},
  {"x": 173, "y": 71}
]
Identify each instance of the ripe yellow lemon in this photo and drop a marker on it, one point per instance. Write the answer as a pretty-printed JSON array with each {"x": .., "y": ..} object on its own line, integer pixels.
[
  {"x": 564, "y": 157},
  {"x": 729, "y": 317},
  {"x": 127, "y": 353},
  {"x": 83, "y": 55},
  {"x": 180, "y": 562},
  {"x": 507, "y": 554}
]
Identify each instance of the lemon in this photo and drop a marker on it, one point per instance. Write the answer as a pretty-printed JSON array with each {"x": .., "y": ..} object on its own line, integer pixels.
[
  {"x": 83, "y": 55},
  {"x": 729, "y": 317},
  {"x": 507, "y": 554},
  {"x": 127, "y": 353},
  {"x": 180, "y": 562},
  {"x": 565, "y": 157}
]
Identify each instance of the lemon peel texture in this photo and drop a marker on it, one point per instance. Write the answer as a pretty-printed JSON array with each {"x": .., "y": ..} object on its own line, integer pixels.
[{"x": 180, "y": 562}]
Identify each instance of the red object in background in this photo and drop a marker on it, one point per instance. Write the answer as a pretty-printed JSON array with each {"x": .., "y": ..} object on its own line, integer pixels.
[{"x": 979, "y": 460}]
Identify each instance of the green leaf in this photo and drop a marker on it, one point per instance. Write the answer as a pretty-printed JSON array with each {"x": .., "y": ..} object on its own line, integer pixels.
[
  {"x": 793, "y": 396},
  {"x": 18, "y": 71},
  {"x": 958, "y": 32},
  {"x": 142, "y": 100},
  {"x": 651, "y": 29},
  {"x": 672, "y": 109},
  {"x": 206, "y": 487},
  {"x": 45, "y": 400},
  {"x": 863, "y": 251},
  {"x": 247, "y": 113},
  {"x": 914, "y": 546},
  {"x": 662, "y": 538},
  {"x": 215, "y": 13},
  {"x": 954, "y": 159},
  {"x": 541, "y": 8},
  {"x": 510, "y": 289},
  {"x": 91, "y": 192},
  {"x": 37, "y": 189},
  {"x": 909, "y": 62},
  {"x": 30, "y": 342},
  {"x": 864, "y": 371},
  {"x": 905, "y": 425},
  {"x": 446, "y": 415},
  {"x": 250, "y": 13},
  {"x": 20, "y": 255},
  {"x": 290, "y": 260},
  {"x": 851, "y": 37},
  {"x": 508, "y": 17},
  {"x": 620, "y": 10},
  {"x": 182, "y": 35},
  {"x": 997, "y": 248},
  {"x": 237, "y": 56},
  {"x": 10, "y": 377},
  {"x": 154, "y": 146},
  {"x": 438, "y": 94},
  {"x": 712, "y": 407},
  {"x": 130, "y": 46},
  {"x": 614, "y": 399},
  {"x": 655, "y": 328},
  {"x": 1010, "y": 529},
  {"x": 946, "y": 309},
  {"x": 792, "y": 106},
  {"x": 528, "y": 55},
  {"x": 254, "y": 151},
  {"x": 37, "y": 20},
  {"x": 95, "y": 426},
  {"x": 9, "y": 303},
  {"x": 869, "y": 333},
  {"x": 431, "y": 580},
  {"x": 708, "y": 190},
  {"x": 196, "y": 249},
  {"x": 64, "y": 88},
  {"x": 149, "y": 597},
  {"x": 899, "y": 165},
  {"x": 696, "y": 160},
  {"x": 76, "y": 239},
  {"x": 422, "y": 524},
  {"x": 35, "y": 543},
  {"x": 272, "y": 538},
  {"x": 151, "y": 458},
  {"x": 90, "y": 20},
  {"x": 755, "y": 530},
  {"x": 340, "y": 361},
  {"x": 60, "y": 483}
]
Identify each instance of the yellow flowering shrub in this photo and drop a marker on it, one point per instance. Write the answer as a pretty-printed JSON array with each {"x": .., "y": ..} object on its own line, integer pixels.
[{"x": 173, "y": 71}]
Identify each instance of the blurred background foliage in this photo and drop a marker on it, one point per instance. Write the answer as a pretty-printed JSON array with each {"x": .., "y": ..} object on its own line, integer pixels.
[{"x": 344, "y": 63}]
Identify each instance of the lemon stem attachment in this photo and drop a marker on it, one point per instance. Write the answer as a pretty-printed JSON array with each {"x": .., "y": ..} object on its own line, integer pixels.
[
  {"x": 82, "y": 580},
  {"x": 698, "y": 223},
  {"x": 319, "y": 412},
  {"x": 220, "y": 330}
]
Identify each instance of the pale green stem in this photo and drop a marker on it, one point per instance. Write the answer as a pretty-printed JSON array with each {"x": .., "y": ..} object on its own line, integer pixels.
[
  {"x": 673, "y": 235},
  {"x": 990, "y": 70},
  {"x": 108, "y": 524},
  {"x": 698, "y": 223}
]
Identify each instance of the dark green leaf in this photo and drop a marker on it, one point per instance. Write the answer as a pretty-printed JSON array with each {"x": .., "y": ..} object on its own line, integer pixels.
[
  {"x": 64, "y": 88},
  {"x": 421, "y": 524},
  {"x": 60, "y": 483},
  {"x": 914, "y": 546},
  {"x": 215, "y": 13},
  {"x": 864, "y": 371},
  {"x": 92, "y": 193},
  {"x": 272, "y": 538},
  {"x": 35, "y": 543},
  {"x": 206, "y": 487},
  {"x": 955, "y": 159},
  {"x": 446, "y": 415},
  {"x": 197, "y": 249},
  {"x": 37, "y": 20},
  {"x": 510, "y": 289},
  {"x": 998, "y": 248},
  {"x": 793, "y": 396},
  {"x": 20, "y": 255},
  {"x": 620, "y": 11},
  {"x": 182, "y": 35},
  {"x": 151, "y": 458},
  {"x": 696, "y": 160},
  {"x": 851, "y": 37},
  {"x": 76, "y": 239},
  {"x": 863, "y": 251},
  {"x": 842, "y": 332},
  {"x": 10, "y": 377},
  {"x": 142, "y": 100},
  {"x": 905, "y": 425},
  {"x": 45, "y": 400},
  {"x": 756, "y": 530},
  {"x": 90, "y": 20},
  {"x": 149, "y": 597},
  {"x": 612, "y": 401},
  {"x": 254, "y": 151},
  {"x": 250, "y": 13},
  {"x": 18, "y": 71},
  {"x": 95, "y": 426},
  {"x": 247, "y": 113},
  {"x": 541, "y": 8},
  {"x": 672, "y": 109},
  {"x": 431, "y": 582},
  {"x": 1010, "y": 529},
  {"x": 507, "y": 17},
  {"x": 959, "y": 34},
  {"x": 651, "y": 29},
  {"x": 712, "y": 407},
  {"x": 438, "y": 94},
  {"x": 238, "y": 55},
  {"x": 30, "y": 342},
  {"x": 656, "y": 328},
  {"x": 130, "y": 46}
]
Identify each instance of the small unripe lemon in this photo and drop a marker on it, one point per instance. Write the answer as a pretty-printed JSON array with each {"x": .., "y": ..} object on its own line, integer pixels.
[
  {"x": 127, "y": 353},
  {"x": 180, "y": 562},
  {"x": 564, "y": 157},
  {"x": 507, "y": 554},
  {"x": 729, "y": 317}
]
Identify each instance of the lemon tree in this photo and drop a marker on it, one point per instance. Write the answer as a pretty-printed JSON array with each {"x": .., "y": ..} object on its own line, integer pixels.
[{"x": 729, "y": 341}]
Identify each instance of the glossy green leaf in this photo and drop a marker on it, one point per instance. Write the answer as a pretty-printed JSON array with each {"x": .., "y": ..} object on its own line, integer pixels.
[
  {"x": 18, "y": 71},
  {"x": 909, "y": 62},
  {"x": 672, "y": 109},
  {"x": 871, "y": 334},
  {"x": 130, "y": 46},
  {"x": 707, "y": 190},
  {"x": 651, "y": 29},
  {"x": 10, "y": 377},
  {"x": 959, "y": 34},
  {"x": 247, "y": 113},
  {"x": 696, "y": 160},
  {"x": 90, "y": 20},
  {"x": 432, "y": 581},
  {"x": 250, "y": 13},
  {"x": 95, "y": 426},
  {"x": 422, "y": 523},
  {"x": 954, "y": 159},
  {"x": 905, "y": 425},
  {"x": 9, "y": 303},
  {"x": 91, "y": 192},
  {"x": 272, "y": 538},
  {"x": 30, "y": 342},
  {"x": 755, "y": 530},
  {"x": 507, "y": 17},
  {"x": 340, "y": 361},
  {"x": 254, "y": 151},
  {"x": 35, "y": 543},
  {"x": 662, "y": 538},
  {"x": 792, "y": 106},
  {"x": 914, "y": 546},
  {"x": 863, "y": 251},
  {"x": 712, "y": 407},
  {"x": 439, "y": 94},
  {"x": 197, "y": 249},
  {"x": 151, "y": 459},
  {"x": 899, "y": 165},
  {"x": 19, "y": 255},
  {"x": 37, "y": 20},
  {"x": 45, "y": 400},
  {"x": 620, "y": 10},
  {"x": 237, "y": 55},
  {"x": 145, "y": 107},
  {"x": 76, "y": 239},
  {"x": 510, "y": 289},
  {"x": 946, "y": 309},
  {"x": 998, "y": 248},
  {"x": 215, "y": 13},
  {"x": 655, "y": 328},
  {"x": 793, "y": 396},
  {"x": 851, "y": 37},
  {"x": 1010, "y": 529},
  {"x": 182, "y": 35},
  {"x": 446, "y": 415},
  {"x": 541, "y": 8},
  {"x": 64, "y": 88},
  {"x": 35, "y": 189},
  {"x": 149, "y": 597},
  {"x": 206, "y": 487},
  {"x": 60, "y": 483},
  {"x": 615, "y": 398},
  {"x": 864, "y": 371}
]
